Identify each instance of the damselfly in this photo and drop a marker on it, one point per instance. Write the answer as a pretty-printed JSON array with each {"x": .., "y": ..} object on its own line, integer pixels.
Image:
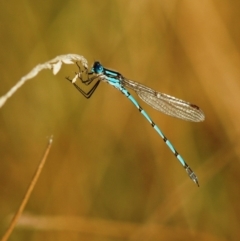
[{"x": 162, "y": 102}]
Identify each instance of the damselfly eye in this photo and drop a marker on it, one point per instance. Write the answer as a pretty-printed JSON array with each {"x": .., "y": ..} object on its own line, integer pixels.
[{"x": 97, "y": 67}]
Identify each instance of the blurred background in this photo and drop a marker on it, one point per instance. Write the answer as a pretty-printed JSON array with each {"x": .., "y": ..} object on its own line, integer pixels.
[{"x": 109, "y": 176}]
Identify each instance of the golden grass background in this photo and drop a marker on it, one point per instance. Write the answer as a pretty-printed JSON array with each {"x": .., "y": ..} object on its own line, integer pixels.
[{"x": 109, "y": 176}]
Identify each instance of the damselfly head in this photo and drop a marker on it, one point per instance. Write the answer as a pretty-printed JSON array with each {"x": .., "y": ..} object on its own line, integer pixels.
[{"x": 97, "y": 68}]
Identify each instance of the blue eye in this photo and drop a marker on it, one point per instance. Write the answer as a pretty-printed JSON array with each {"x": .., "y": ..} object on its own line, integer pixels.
[{"x": 97, "y": 68}]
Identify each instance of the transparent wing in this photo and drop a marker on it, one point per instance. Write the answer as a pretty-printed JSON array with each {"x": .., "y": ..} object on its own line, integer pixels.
[
  {"x": 172, "y": 106},
  {"x": 167, "y": 104}
]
